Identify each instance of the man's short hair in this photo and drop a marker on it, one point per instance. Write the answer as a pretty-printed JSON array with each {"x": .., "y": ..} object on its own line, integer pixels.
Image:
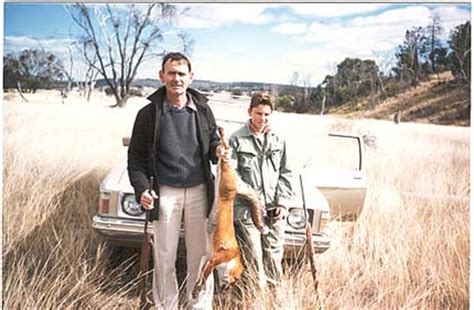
[
  {"x": 262, "y": 98},
  {"x": 175, "y": 56}
]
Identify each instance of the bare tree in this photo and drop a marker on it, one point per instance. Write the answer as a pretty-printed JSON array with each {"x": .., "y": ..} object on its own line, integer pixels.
[
  {"x": 411, "y": 54},
  {"x": 301, "y": 93},
  {"x": 295, "y": 77},
  {"x": 89, "y": 81},
  {"x": 385, "y": 60},
  {"x": 306, "y": 90},
  {"x": 433, "y": 33},
  {"x": 186, "y": 41},
  {"x": 68, "y": 73},
  {"x": 115, "y": 41},
  {"x": 323, "y": 105}
]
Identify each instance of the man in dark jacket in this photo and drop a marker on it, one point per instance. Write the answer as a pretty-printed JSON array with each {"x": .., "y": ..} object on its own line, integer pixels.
[{"x": 174, "y": 139}]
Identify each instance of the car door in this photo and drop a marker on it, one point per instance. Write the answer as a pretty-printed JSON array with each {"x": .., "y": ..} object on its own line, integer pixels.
[{"x": 335, "y": 169}]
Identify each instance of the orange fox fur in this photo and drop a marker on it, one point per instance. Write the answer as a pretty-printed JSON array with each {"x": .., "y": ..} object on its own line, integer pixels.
[{"x": 225, "y": 252}]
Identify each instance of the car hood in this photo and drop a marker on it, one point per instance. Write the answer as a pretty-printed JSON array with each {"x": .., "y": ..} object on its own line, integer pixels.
[{"x": 117, "y": 180}]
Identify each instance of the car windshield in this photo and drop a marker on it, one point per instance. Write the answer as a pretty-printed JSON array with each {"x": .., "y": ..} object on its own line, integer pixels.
[{"x": 333, "y": 152}]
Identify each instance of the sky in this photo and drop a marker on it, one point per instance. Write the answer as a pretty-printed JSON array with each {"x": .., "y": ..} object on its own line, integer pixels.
[{"x": 253, "y": 42}]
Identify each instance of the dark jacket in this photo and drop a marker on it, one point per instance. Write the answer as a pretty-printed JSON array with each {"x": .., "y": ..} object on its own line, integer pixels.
[{"x": 144, "y": 144}]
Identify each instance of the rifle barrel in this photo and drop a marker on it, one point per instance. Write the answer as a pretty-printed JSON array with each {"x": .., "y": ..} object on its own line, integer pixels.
[{"x": 145, "y": 255}]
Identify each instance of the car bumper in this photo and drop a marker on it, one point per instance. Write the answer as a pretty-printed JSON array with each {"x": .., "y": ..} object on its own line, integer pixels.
[
  {"x": 129, "y": 232},
  {"x": 294, "y": 243}
]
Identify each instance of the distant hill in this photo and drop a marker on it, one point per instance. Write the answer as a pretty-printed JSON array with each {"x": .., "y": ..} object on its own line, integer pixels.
[
  {"x": 437, "y": 101},
  {"x": 205, "y": 85}
]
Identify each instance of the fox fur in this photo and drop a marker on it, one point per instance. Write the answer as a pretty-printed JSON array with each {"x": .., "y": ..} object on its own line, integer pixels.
[{"x": 224, "y": 254}]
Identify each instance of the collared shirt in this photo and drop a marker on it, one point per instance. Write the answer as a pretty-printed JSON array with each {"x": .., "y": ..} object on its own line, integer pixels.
[
  {"x": 263, "y": 165},
  {"x": 189, "y": 104}
]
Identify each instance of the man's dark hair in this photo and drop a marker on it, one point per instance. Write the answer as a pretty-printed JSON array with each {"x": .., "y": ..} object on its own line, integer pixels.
[
  {"x": 262, "y": 98},
  {"x": 175, "y": 56}
]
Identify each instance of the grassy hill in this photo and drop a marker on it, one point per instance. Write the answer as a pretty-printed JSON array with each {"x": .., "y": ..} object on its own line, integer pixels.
[{"x": 437, "y": 101}]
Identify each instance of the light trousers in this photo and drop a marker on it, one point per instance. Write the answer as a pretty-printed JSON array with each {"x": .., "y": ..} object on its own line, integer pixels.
[
  {"x": 263, "y": 254},
  {"x": 190, "y": 205}
]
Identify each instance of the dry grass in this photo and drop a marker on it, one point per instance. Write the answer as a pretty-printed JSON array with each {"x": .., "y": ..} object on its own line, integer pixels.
[{"x": 409, "y": 249}]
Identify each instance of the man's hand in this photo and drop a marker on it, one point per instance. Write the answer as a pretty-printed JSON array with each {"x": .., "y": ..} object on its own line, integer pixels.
[
  {"x": 280, "y": 213},
  {"x": 266, "y": 128},
  {"x": 147, "y": 198},
  {"x": 222, "y": 153}
]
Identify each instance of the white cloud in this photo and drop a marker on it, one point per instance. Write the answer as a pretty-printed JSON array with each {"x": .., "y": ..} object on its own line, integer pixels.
[
  {"x": 355, "y": 41},
  {"x": 373, "y": 33},
  {"x": 223, "y": 14},
  {"x": 269, "y": 68},
  {"x": 364, "y": 37},
  {"x": 233, "y": 67},
  {"x": 291, "y": 28},
  {"x": 451, "y": 17},
  {"x": 319, "y": 43},
  {"x": 409, "y": 16},
  {"x": 335, "y": 9},
  {"x": 316, "y": 62},
  {"x": 56, "y": 46},
  {"x": 61, "y": 48}
]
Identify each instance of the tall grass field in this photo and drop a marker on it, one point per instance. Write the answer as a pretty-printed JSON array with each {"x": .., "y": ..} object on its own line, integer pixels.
[{"x": 408, "y": 249}]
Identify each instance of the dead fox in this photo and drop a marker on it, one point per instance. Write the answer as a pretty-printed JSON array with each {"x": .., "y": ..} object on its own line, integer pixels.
[{"x": 224, "y": 254}]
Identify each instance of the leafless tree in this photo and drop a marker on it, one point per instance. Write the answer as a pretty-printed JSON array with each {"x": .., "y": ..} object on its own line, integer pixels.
[
  {"x": 306, "y": 89},
  {"x": 88, "y": 83},
  {"x": 385, "y": 61},
  {"x": 410, "y": 55},
  {"x": 302, "y": 91},
  {"x": 433, "y": 34},
  {"x": 295, "y": 77},
  {"x": 186, "y": 41},
  {"x": 68, "y": 73},
  {"x": 116, "y": 39},
  {"x": 323, "y": 105}
]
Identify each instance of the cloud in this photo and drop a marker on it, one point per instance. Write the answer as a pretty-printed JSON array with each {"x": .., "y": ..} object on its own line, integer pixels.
[
  {"x": 374, "y": 33},
  {"x": 316, "y": 62},
  {"x": 291, "y": 28},
  {"x": 59, "y": 47},
  {"x": 56, "y": 46},
  {"x": 409, "y": 16},
  {"x": 335, "y": 9},
  {"x": 451, "y": 16},
  {"x": 364, "y": 37},
  {"x": 308, "y": 38},
  {"x": 224, "y": 14}
]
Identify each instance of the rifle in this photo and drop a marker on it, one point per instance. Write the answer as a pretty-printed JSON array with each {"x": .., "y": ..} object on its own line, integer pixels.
[
  {"x": 145, "y": 257},
  {"x": 309, "y": 239}
]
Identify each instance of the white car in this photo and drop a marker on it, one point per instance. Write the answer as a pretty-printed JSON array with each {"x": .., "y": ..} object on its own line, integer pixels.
[{"x": 329, "y": 194}]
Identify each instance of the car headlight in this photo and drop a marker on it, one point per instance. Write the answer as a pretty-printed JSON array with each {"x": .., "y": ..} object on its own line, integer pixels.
[
  {"x": 130, "y": 206},
  {"x": 296, "y": 218}
]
